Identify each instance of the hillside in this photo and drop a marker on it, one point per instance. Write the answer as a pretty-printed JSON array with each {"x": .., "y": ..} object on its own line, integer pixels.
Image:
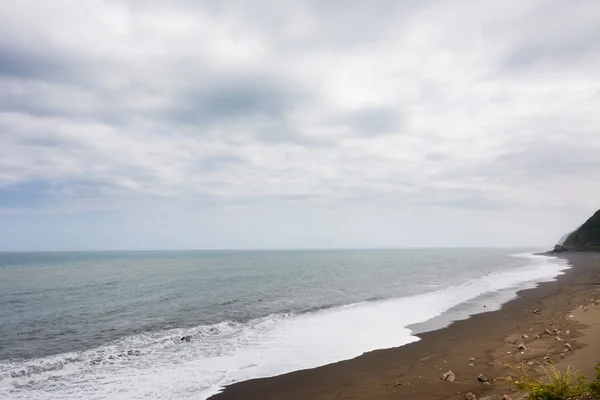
[{"x": 588, "y": 234}]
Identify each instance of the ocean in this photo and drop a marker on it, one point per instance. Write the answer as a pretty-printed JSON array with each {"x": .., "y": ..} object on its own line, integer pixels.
[{"x": 108, "y": 325}]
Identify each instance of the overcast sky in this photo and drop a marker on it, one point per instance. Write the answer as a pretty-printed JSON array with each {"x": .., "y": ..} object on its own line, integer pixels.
[{"x": 147, "y": 124}]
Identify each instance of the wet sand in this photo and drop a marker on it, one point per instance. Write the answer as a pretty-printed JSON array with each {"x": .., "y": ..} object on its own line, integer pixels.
[{"x": 571, "y": 305}]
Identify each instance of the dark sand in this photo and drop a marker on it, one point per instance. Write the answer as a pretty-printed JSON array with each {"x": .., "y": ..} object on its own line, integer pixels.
[{"x": 413, "y": 371}]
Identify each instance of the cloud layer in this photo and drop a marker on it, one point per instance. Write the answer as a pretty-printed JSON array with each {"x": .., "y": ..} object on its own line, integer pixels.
[{"x": 304, "y": 109}]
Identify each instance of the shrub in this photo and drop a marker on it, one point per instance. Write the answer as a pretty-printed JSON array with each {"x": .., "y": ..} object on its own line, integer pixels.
[
  {"x": 595, "y": 385},
  {"x": 547, "y": 382}
]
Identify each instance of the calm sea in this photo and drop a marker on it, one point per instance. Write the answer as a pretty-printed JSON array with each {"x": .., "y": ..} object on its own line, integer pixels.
[{"x": 96, "y": 325}]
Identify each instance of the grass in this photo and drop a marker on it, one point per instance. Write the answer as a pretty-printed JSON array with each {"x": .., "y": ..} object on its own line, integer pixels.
[{"x": 547, "y": 382}]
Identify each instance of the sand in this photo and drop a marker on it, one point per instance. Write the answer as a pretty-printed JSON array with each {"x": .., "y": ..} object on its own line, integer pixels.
[{"x": 413, "y": 371}]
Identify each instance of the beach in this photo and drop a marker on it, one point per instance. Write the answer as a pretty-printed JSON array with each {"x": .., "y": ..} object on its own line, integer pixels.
[{"x": 565, "y": 314}]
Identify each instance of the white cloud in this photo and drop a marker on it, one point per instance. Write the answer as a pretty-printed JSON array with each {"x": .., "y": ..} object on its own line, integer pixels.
[{"x": 384, "y": 104}]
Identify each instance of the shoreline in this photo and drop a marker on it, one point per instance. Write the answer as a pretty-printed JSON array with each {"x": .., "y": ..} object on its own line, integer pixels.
[{"x": 413, "y": 370}]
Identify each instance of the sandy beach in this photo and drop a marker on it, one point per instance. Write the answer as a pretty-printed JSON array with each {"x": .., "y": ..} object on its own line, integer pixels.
[{"x": 557, "y": 321}]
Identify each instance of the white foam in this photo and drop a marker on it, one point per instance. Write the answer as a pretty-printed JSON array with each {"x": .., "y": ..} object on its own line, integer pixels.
[{"x": 229, "y": 352}]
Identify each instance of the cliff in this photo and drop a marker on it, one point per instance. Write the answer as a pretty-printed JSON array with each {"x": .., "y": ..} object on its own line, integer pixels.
[{"x": 587, "y": 236}]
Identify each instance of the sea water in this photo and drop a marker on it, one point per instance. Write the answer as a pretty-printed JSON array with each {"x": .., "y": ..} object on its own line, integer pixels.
[{"x": 96, "y": 325}]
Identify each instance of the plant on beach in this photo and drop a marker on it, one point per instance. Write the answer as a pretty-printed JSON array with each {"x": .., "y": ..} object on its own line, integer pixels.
[
  {"x": 547, "y": 382},
  {"x": 595, "y": 385}
]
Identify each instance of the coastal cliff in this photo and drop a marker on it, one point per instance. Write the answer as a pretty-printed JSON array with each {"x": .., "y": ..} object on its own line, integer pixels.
[{"x": 585, "y": 238}]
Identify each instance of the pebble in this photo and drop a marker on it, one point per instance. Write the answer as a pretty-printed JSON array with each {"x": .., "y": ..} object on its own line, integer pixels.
[{"x": 448, "y": 376}]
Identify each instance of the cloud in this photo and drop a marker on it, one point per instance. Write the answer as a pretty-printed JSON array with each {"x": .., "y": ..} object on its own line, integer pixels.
[{"x": 127, "y": 105}]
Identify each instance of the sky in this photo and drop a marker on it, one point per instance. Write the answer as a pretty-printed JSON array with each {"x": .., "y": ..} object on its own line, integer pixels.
[{"x": 180, "y": 124}]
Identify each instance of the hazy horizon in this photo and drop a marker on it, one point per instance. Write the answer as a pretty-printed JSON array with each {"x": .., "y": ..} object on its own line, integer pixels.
[
  {"x": 302, "y": 124},
  {"x": 282, "y": 249}
]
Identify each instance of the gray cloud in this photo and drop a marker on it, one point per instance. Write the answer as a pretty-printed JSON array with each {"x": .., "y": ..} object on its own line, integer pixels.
[
  {"x": 567, "y": 51},
  {"x": 233, "y": 99},
  {"x": 349, "y": 105},
  {"x": 377, "y": 121}
]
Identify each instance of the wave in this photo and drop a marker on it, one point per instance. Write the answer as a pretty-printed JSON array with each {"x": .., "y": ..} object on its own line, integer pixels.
[{"x": 161, "y": 365}]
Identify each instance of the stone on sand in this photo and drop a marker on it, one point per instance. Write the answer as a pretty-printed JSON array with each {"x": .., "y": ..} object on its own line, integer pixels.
[
  {"x": 449, "y": 376},
  {"x": 470, "y": 396},
  {"x": 492, "y": 397},
  {"x": 482, "y": 378}
]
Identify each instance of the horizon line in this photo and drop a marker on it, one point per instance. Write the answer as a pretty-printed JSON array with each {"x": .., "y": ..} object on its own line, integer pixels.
[{"x": 271, "y": 249}]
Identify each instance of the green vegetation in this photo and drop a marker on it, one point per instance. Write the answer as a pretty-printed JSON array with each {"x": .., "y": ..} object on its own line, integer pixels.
[
  {"x": 588, "y": 234},
  {"x": 547, "y": 382}
]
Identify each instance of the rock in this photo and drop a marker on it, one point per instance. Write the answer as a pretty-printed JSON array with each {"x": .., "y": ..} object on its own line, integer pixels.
[
  {"x": 558, "y": 339},
  {"x": 470, "y": 396},
  {"x": 486, "y": 383},
  {"x": 536, "y": 337},
  {"x": 525, "y": 337},
  {"x": 567, "y": 332},
  {"x": 522, "y": 346},
  {"x": 482, "y": 378},
  {"x": 562, "y": 355},
  {"x": 530, "y": 363},
  {"x": 567, "y": 346},
  {"x": 506, "y": 397},
  {"x": 449, "y": 376},
  {"x": 186, "y": 339},
  {"x": 471, "y": 365},
  {"x": 472, "y": 359},
  {"x": 492, "y": 397},
  {"x": 537, "y": 311},
  {"x": 547, "y": 332}
]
